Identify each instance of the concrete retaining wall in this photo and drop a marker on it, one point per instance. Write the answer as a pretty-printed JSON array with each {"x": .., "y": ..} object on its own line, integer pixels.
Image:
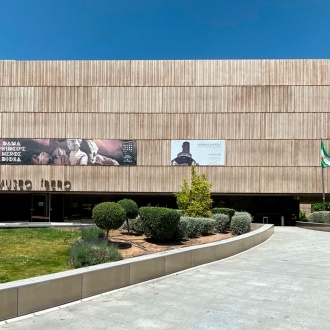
[
  {"x": 27, "y": 296},
  {"x": 313, "y": 225}
]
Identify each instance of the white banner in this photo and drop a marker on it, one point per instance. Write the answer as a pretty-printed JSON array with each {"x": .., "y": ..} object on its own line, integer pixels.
[{"x": 198, "y": 152}]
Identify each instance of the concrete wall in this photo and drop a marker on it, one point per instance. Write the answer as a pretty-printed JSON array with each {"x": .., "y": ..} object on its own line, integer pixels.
[
  {"x": 31, "y": 295},
  {"x": 314, "y": 226}
]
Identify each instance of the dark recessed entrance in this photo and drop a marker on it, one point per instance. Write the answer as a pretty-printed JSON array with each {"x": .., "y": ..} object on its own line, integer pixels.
[{"x": 71, "y": 207}]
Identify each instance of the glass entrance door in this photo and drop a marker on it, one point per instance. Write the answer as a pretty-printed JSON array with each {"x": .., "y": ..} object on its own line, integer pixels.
[{"x": 40, "y": 208}]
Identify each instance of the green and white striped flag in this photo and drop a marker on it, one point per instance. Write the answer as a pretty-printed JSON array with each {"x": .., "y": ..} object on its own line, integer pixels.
[{"x": 325, "y": 157}]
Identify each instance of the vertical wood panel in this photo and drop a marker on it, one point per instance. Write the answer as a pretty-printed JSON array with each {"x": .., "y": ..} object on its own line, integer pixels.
[
  {"x": 154, "y": 152},
  {"x": 44, "y": 73},
  {"x": 286, "y": 72},
  {"x": 231, "y": 73},
  {"x": 294, "y": 126},
  {"x": 290, "y": 180},
  {"x": 306, "y": 152},
  {"x": 248, "y": 99},
  {"x": 102, "y": 73},
  {"x": 162, "y": 73},
  {"x": 146, "y": 73},
  {"x": 259, "y": 153},
  {"x": 8, "y": 73},
  {"x": 311, "y": 98},
  {"x": 229, "y": 179},
  {"x": 280, "y": 99},
  {"x": 169, "y": 126},
  {"x": 165, "y": 73},
  {"x": 316, "y": 72}
]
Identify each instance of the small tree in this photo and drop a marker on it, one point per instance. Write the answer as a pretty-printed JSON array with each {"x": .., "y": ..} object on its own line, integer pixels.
[
  {"x": 195, "y": 199},
  {"x": 108, "y": 215},
  {"x": 131, "y": 209}
]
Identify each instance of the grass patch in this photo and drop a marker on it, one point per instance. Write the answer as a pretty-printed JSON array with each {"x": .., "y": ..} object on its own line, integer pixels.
[
  {"x": 29, "y": 252},
  {"x": 92, "y": 233}
]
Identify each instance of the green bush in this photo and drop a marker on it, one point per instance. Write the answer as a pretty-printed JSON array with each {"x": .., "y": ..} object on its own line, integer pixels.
[
  {"x": 182, "y": 230},
  {"x": 195, "y": 227},
  {"x": 135, "y": 225},
  {"x": 89, "y": 233},
  {"x": 208, "y": 226},
  {"x": 302, "y": 215},
  {"x": 223, "y": 210},
  {"x": 92, "y": 252},
  {"x": 222, "y": 222},
  {"x": 319, "y": 217},
  {"x": 181, "y": 212},
  {"x": 108, "y": 215},
  {"x": 130, "y": 207},
  {"x": 159, "y": 223},
  {"x": 241, "y": 223},
  {"x": 319, "y": 207}
]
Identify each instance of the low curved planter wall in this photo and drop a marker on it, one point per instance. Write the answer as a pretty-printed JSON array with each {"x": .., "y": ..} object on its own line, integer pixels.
[
  {"x": 313, "y": 225},
  {"x": 27, "y": 296}
]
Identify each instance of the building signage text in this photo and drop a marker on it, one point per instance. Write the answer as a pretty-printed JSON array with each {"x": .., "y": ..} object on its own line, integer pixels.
[{"x": 26, "y": 185}]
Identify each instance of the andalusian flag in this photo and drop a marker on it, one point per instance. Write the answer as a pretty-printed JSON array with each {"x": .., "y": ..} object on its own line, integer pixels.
[{"x": 325, "y": 157}]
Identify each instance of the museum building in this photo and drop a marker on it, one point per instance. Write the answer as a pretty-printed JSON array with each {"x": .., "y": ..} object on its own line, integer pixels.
[{"x": 76, "y": 133}]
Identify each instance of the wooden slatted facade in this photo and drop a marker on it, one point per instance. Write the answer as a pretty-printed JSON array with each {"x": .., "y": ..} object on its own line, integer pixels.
[{"x": 271, "y": 114}]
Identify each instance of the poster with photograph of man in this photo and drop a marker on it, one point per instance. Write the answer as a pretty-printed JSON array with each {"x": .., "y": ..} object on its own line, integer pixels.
[
  {"x": 70, "y": 151},
  {"x": 198, "y": 152}
]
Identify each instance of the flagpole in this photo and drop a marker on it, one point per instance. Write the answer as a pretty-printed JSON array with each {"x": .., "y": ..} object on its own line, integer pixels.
[
  {"x": 323, "y": 190},
  {"x": 323, "y": 194}
]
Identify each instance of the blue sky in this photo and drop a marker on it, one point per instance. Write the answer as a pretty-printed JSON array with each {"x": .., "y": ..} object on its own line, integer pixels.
[{"x": 164, "y": 29}]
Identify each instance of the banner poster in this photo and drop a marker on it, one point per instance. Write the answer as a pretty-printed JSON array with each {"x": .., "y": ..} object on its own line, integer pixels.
[
  {"x": 67, "y": 152},
  {"x": 198, "y": 152}
]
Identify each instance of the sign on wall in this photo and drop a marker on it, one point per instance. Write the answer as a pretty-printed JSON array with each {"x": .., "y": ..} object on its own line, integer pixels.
[
  {"x": 67, "y": 152},
  {"x": 198, "y": 152}
]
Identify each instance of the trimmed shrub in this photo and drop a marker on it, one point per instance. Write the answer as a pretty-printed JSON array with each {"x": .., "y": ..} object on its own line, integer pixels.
[
  {"x": 135, "y": 225},
  {"x": 319, "y": 217},
  {"x": 195, "y": 227},
  {"x": 223, "y": 210},
  {"x": 90, "y": 233},
  {"x": 222, "y": 222},
  {"x": 208, "y": 226},
  {"x": 130, "y": 207},
  {"x": 241, "y": 223},
  {"x": 159, "y": 223},
  {"x": 131, "y": 210},
  {"x": 88, "y": 253},
  {"x": 182, "y": 230},
  {"x": 108, "y": 215},
  {"x": 192, "y": 226}
]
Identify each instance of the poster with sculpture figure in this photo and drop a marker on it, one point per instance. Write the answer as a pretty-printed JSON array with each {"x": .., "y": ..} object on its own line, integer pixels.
[
  {"x": 198, "y": 152},
  {"x": 67, "y": 152}
]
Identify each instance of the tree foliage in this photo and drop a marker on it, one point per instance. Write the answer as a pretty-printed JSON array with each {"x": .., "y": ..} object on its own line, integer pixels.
[
  {"x": 195, "y": 199},
  {"x": 108, "y": 215},
  {"x": 130, "y": 207},
  {"x": 319, "y": 207}
]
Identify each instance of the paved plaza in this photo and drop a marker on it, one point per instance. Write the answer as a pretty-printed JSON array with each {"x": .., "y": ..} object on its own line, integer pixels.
[{"x": 283, "y": 283}]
